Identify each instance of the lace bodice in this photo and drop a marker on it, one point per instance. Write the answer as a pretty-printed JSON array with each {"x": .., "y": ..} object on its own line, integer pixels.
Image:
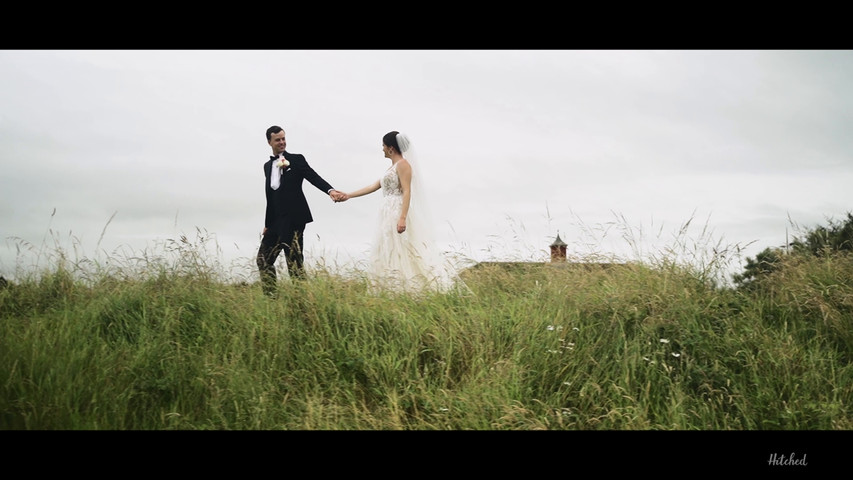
[{"x": 391, "y": 182}]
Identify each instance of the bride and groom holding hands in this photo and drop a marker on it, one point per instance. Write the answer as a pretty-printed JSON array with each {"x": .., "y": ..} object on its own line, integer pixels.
[{"x": 403, "y": 256}]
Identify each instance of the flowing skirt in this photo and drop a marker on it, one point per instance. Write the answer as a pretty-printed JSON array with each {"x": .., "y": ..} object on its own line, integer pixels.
[{"x": 408, "y": 261}]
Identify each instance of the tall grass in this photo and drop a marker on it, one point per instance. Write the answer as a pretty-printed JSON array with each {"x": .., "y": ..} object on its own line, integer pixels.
[{"x": 160, "y": 342}]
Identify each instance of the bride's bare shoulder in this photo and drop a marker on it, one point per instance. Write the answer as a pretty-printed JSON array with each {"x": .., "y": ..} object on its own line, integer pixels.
[{"x": 403, "y": 163}]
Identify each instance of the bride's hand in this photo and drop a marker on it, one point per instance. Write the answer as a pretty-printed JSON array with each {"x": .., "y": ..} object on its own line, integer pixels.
[{"x": 401, "y": 226}]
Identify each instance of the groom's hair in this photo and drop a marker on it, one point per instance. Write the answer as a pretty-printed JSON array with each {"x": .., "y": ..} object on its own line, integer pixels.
[
  {"x": 390, "y": 139},
  {"x": 276, "y": 129}
]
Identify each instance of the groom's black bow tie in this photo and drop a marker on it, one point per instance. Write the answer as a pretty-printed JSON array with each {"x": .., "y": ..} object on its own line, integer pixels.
[{"x": 273, "y": 157}]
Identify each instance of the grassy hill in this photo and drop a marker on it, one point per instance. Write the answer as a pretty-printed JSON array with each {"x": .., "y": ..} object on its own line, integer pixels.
[{"x": 639, "y": 347}]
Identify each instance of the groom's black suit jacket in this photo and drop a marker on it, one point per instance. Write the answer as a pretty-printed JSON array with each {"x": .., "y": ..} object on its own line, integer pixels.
[{"x": 287, "y": 207}]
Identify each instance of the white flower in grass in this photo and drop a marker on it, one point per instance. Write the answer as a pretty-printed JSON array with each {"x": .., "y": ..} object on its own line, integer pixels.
[
  {"x": 676, "y": 355},
  {"x": 552, "y": 351},
  {"x": 663, "y": 340},
  {"x": 576, "y": 329},
  {"x": 550, "y": 328}
]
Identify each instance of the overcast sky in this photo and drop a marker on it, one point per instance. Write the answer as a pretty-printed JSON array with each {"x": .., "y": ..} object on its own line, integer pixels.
[{"x": 113, "y": 153}]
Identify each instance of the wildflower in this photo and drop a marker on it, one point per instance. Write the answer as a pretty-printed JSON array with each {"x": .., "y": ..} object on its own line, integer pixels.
[
  {"x": 550, "y": 328},
  {"x": 676, "y": 355},
  {"x": 576, "y": 329},
  {"x": 552, "y": 351},
  {"x": 663, "y": 340}
]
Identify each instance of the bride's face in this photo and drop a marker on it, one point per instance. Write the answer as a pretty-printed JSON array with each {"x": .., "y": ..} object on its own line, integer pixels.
[{"x": 386, "y": 150}]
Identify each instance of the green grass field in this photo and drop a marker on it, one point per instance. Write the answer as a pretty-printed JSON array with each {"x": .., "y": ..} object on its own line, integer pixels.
[{"x": 641, "y": 346}]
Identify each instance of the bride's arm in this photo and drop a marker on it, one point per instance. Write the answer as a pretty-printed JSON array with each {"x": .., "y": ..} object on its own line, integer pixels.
[
  {"x": 364, "y": 191},
  {"x": 404, "y": 171}
]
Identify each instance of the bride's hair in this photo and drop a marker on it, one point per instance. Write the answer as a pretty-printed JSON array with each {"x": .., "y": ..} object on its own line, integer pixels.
[{"x": 390, "y": 139}]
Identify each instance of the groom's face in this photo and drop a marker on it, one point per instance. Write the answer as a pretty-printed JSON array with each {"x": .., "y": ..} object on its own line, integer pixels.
[{"x": 277, "y": 142}]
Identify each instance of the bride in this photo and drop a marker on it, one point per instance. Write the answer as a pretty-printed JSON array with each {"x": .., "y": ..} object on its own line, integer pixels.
[{"x": 404, "y": 256}]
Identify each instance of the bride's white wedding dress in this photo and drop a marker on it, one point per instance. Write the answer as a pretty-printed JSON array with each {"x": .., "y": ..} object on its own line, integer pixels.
[{"x": 408, "y": 261}]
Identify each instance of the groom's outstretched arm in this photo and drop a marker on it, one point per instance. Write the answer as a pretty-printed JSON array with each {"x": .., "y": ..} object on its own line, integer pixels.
[{"x": 301, "y": 165}]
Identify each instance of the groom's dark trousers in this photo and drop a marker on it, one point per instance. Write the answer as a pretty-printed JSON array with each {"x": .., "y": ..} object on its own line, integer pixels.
[{"x": 286, "y": 216}]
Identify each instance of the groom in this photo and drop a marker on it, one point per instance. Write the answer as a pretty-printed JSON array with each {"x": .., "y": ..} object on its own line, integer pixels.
[{"x": 287, "y": 210}]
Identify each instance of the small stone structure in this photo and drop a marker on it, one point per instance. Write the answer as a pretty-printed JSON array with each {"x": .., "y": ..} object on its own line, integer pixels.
[{"x": 558, "y": 250}]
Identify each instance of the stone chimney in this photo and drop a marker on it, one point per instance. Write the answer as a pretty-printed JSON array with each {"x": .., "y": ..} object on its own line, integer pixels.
[{"x": 558, "y": 250}]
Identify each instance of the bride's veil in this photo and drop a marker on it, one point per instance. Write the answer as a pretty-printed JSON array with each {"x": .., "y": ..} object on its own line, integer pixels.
[
  {"x": 420, "y": 219},
  {"x": 420, "y": 215}
]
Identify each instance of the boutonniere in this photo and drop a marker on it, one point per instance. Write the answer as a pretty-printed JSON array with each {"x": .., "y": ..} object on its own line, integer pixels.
[{"x": 282, "y": 163}]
